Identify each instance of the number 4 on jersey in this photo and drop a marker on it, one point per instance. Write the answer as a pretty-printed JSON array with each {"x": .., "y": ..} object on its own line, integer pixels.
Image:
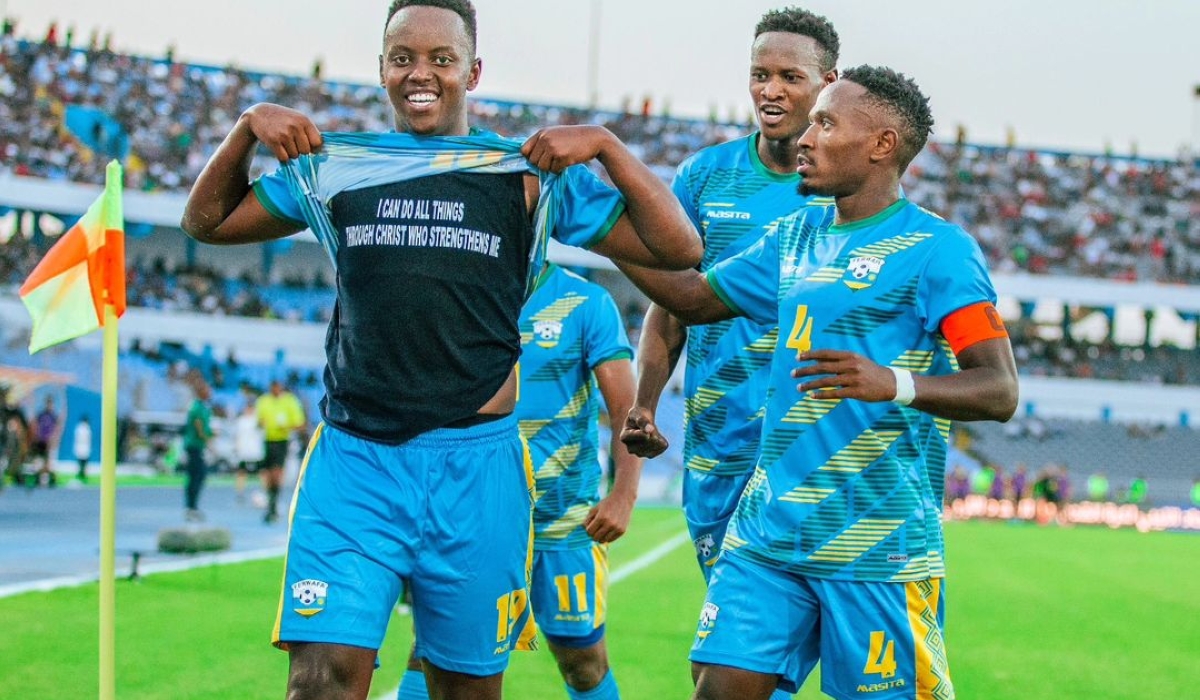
[
  {"x": 881, "y": 658},
  {"x": 800, "y": 339}
]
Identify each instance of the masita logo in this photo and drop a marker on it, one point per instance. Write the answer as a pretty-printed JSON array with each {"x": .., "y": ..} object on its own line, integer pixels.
[
  {"x": 728, "y": 214},
  {"x": 310, "y": 594}
]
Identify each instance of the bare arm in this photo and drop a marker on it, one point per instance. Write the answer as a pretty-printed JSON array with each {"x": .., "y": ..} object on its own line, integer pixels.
[
  {"x": 610, "y": 518},
  {"x": 984, "y": 389},
  {"x": 654, "y": 231},
  {"x": 662, "y": 341},
  {"x": 221, "y": 207},
  {"x": 686, "y": 294}
]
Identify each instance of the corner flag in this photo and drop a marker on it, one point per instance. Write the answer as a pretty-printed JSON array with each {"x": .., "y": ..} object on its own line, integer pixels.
[{"x": 82, "y": 273}]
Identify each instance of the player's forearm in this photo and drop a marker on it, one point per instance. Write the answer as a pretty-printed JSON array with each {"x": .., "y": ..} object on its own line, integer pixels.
[
  {"x": 684, "y": 293},
  {"x": 983, "y": 393},
  {"x": 659, "y": 347},
  {"x": 222, "y": 185},
  {"x": 985, "y": 388},
  {"x": 615, "y": 379},
  {"x": 653, "y": 210},
  {"x": 627, "y": 470}
]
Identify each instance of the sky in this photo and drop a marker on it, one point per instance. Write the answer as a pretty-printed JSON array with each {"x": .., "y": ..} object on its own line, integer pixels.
[{"x": 1081, "y": 75}]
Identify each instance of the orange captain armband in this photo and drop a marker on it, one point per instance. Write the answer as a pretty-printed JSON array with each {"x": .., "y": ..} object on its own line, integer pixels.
[{"x": 973, "y": 324}]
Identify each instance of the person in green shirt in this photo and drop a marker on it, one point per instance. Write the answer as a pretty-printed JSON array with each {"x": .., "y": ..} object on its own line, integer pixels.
[
  {"x": 197, "y": 431},
  {"x": 1196, "y": 493},
  {"x": 1097, "y": 487},
  {"x": 1138, "y": 489}
]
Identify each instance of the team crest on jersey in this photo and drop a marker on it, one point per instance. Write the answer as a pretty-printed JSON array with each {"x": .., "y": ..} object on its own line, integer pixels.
[
  {"x": 705, "y": 544},
  {"x": 547, "y": 333},
  {"x": 862, "y": 272},
  {"x": 708, "y": 620},
  {"x": 310, "y": 595}
]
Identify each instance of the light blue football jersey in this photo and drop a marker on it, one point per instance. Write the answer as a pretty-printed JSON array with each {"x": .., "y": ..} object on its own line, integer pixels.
[
  {"x": 847, "y": 489},
  {"x": 569, "y": 326},
  {"x": 731, "y": 196}
]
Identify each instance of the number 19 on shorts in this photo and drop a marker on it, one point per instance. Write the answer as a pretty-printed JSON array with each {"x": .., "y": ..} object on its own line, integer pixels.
[{"x": 510, "y": 607}]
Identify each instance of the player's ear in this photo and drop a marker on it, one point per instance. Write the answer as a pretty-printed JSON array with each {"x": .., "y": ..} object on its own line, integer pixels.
[
  {"x": 381, "y": 83},
  {"x": 830, "y": 77},
  {"x": 887, "y": 144},
  {"x": 473, "y": 76}
]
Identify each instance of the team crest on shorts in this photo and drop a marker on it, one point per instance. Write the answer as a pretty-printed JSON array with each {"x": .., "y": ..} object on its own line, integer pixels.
[
  {"x": 705, "y": 544},
  {"x": 310, "y": 595},
  {"x": 862, "y": 272},
  {"x": 708, "y": 620},
  {"x": 547, "y": 333}
]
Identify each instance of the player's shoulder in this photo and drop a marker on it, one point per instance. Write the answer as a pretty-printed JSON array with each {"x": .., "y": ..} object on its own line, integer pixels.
[
  {"x": 917, "y": 218},
  {"x": 814, "y": 211},
  {"x": 724, "y": 155}
]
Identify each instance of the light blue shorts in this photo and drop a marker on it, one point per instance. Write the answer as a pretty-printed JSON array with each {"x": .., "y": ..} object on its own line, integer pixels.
[
  {"x": 570, "y": 594},
  {"x": 709, "y": 501},
  {"x": 448, "y": 512},
  {"x": 875, "y": 641}
]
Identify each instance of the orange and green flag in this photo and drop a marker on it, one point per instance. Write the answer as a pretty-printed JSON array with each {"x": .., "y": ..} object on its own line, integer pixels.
[{"x": 83, "y": 272}]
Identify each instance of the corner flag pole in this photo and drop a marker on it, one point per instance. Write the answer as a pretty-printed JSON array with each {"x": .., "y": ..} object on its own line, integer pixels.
[
  {"x": 108, "y": 509},
  {"x": 108, "y": 499}
]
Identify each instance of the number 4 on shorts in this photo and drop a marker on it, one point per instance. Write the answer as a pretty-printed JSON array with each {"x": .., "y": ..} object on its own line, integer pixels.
[{"x": 881, "y": 657}]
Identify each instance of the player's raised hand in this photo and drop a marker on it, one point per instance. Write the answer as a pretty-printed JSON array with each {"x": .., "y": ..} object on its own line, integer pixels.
[
  {"x": 285, "y": 132},
  {"x": 641, "y": 436},
  {"x": 556, "y": 148},
  {"x": 840, "y": 374}
]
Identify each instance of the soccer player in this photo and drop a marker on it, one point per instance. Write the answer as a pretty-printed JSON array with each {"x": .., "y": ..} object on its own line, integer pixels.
[
  {"x": 572, "y": 343},
  {"x": 197, "y": 433},
  {"x": 887, "y": 333},
  {"x": 46, "y": 430},
  {"x": 279, "y": 415},
  {"x": 732, "y": 191},
  {"x": 416, "y": 472},
  {"x": 571, "y": 332}
]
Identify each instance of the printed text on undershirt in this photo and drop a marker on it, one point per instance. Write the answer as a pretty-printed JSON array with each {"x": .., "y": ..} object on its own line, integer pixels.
[{"x": 422, "y": 223}]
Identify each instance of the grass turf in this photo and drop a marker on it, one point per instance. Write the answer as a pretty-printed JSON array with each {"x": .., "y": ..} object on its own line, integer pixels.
[{"x": 1034, "y": 613}]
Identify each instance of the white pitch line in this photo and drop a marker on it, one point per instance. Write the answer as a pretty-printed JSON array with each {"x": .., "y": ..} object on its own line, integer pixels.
[
  {"x": 649, "y": 558},
  {"x": 621, "y": 573},
  {"x": 184, "y": 563}
]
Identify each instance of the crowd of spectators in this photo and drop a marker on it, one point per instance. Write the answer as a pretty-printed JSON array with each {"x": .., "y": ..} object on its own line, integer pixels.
[
  {"x": 1034, "y": 211},
  {"x": 1039, "y": 356},
  {"x": 172, "y": 115},
  {"x": 1065, "y": 213},
  {"x": 207, "y": 290}
]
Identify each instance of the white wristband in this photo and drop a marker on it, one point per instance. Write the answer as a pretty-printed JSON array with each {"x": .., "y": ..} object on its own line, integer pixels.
[{"x": 906, "y": 388}]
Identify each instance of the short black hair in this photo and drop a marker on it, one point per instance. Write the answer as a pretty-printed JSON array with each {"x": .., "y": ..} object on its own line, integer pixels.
[
  {"x": 462, "y": 8},
  {"x": 795, "y": 20},
  {"x": 898, "y": 94}
]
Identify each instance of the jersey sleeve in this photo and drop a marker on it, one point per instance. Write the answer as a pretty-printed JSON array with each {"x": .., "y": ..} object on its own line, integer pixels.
[
  {"x": 748, "y": 282},
  {"x": 587, "y": 210},
  {"x": 682, "y": 186},
  {"x": 273, "y": 193},
  {"x": 955, "y": 276},
  {"x": 604, "y": 338}
]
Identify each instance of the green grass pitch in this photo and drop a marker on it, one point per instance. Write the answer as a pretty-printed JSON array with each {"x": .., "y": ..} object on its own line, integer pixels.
[{"x": 1034, "y": 613}]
